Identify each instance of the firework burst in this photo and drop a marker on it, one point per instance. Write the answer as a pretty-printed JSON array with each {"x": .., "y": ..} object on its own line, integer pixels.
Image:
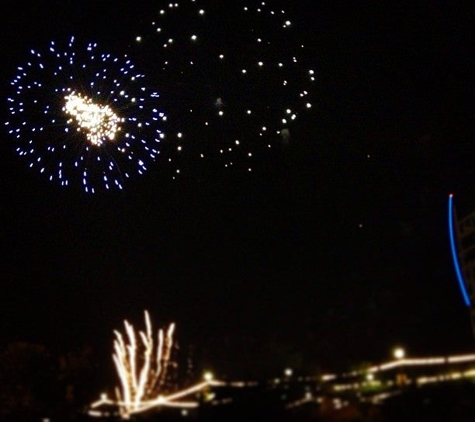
[
  {"x": 234, "y": 80},
  {"x": 80, "y": 116}
]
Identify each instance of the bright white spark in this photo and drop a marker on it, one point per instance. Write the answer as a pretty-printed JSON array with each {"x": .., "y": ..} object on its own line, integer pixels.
[{"x": 99, "y": 122}]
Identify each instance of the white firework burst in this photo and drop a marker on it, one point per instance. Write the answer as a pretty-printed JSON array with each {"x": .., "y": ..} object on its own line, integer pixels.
[{"x": 234, "y": 78}]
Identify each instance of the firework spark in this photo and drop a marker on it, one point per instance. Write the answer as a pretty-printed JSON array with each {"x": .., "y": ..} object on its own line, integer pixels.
[{"x": 142, "y": 365}]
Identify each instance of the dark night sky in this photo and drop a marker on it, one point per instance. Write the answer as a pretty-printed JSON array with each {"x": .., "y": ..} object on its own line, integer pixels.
[{"x": 339, "y": 254}]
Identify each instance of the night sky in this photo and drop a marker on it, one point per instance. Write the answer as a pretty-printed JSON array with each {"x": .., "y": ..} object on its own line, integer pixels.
[{"x": 336, "y": 245}]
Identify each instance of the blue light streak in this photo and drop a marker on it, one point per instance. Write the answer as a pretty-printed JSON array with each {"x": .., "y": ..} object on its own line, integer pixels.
[{"x": 454, "y": 253}]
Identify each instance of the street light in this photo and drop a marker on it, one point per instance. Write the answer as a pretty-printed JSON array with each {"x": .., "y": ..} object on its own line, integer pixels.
[
  {"x": 208, "y": 376},
  {"x": 207, "y": 394},
  {"x": 399, "y": 354}
]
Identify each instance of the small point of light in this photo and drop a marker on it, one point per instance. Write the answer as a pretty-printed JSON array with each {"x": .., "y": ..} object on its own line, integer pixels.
[{"x": 399, "y": 353}]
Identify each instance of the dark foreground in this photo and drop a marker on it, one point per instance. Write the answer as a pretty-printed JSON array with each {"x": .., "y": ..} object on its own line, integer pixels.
[{"x": 452, "y": 401}]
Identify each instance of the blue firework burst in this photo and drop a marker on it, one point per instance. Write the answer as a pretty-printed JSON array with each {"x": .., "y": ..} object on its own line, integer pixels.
[{"x": 84, "y": 117}]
